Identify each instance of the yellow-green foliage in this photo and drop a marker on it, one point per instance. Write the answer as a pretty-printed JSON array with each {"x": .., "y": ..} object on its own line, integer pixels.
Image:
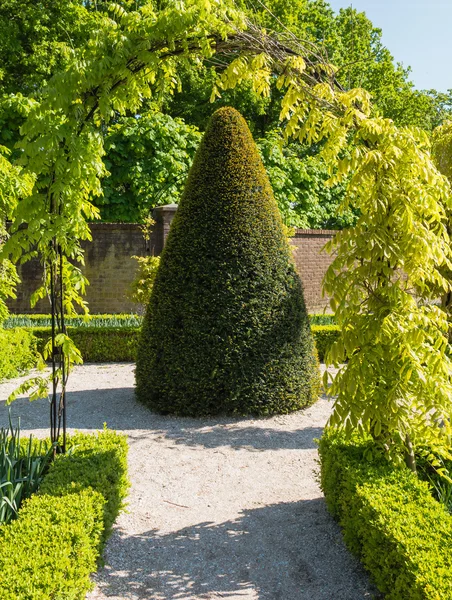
[
  {"x": 442, "y": 148},
  {"x": 18, "y": 352},
  {"x": 98, "y": 461},
  {"x": 141, "y": 287},
  {"x": 390, "y": 521},
  {"x": 226, "y": 330},
  {"x": 14, "y": 184},
  {"x": 51, "y": 550},
  {"x": 53, "y": 546},
  {"x": 386, "y": 273}
]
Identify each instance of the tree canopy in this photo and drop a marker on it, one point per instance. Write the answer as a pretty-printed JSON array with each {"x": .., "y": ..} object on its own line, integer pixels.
[
  {"x": 148, "y": 157},
  {"x": 40, "y": 40}
]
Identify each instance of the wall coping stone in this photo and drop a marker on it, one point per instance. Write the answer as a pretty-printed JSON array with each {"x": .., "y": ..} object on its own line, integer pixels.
[
  {"x": 99, "y": 225},
  {"x": 166, "y": 208},
  {"x": 111, "y": 226},
  {"x": 318, "y": 232}
]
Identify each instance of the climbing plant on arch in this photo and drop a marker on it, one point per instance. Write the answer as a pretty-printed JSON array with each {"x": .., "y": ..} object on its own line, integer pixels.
[{"x": 136, "y": 55}]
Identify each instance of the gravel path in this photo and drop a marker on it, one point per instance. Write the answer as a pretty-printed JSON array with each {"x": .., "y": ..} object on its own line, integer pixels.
[{"x": 219, "y": 508}]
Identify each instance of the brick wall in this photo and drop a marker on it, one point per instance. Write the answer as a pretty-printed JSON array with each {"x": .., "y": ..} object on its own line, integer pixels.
[
  {"x": 312, "y": 264},
  {"x": 110, "y": 268}
]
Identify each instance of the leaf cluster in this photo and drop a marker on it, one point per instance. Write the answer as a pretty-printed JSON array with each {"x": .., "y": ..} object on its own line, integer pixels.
[
  {"x": 387, "y": 271},
  {"x": 148, "y": 158},
  {"x": 298, "y": 179},
  {"x": 141, "y": 287},
  {"x": 22, "y": 468}
]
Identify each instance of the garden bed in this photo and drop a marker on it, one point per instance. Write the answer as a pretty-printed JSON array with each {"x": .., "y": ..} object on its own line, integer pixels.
[
  {"x": 113, "y": 320},
  {"x": 106, "y": 320},
  {"x": 53, "y": 546},
  {"x": 390, "y": 520}
]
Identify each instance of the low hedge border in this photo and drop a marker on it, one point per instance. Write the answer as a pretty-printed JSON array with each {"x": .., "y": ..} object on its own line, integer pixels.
[
  {"x": 120, "y": 344},
  {"x": 324, "y": 336},
  {"x": 402, "y": 535},
  {"x": 53, "y": 546},
  {"x": 18, "y": 352},
  {"x": 98, "y": 344}
]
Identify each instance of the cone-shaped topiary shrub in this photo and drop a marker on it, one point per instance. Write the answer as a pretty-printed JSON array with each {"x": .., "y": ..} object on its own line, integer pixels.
[{"x": 226, "y": 330}]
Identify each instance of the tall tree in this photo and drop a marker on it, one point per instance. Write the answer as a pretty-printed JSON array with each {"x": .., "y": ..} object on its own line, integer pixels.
[
  {"x": 364, "y": 61},
  {"x": 148, "y": 157}
]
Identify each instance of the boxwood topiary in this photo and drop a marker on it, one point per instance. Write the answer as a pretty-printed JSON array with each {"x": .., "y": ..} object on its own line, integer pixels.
[{"x": 226, "y": 330}]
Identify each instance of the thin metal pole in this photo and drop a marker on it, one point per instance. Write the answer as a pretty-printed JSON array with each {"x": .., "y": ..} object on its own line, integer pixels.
[
  {"x": 53, "y": 405},
  {"x": 63, "y": 358}
]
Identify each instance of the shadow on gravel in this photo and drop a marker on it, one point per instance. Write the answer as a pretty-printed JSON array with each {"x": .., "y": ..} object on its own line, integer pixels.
[
  {"x": 244, "y": 438},
  {"x": 90, "y": 409},
  {"x": 288, "y": 551}
]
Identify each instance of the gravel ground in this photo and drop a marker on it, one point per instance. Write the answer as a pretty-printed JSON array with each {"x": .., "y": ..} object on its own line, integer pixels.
[{"x": 219, "y": 508}]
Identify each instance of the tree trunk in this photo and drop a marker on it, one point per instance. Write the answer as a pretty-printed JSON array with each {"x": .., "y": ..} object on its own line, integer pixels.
[{"x": 410, "y": 459}]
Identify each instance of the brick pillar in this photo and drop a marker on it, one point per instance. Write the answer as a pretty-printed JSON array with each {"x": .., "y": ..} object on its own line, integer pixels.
[{"x": 163, "y": 216}]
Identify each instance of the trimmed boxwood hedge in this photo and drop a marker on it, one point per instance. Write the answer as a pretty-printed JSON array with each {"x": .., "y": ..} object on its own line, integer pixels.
[
  {"x": 390, "y": 520},
  {"x": 226, "y": 330},
  {"x": 18, "y": 352},
  {"x": 324, "y": 336},
  {"x": 119, "y": 344},
  {"x": 53, "y": 546},
  {"x": 98, "y": 344}
]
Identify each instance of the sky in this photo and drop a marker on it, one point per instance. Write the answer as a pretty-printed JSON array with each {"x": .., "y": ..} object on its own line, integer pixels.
[{"x": 417, "y": 33}]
